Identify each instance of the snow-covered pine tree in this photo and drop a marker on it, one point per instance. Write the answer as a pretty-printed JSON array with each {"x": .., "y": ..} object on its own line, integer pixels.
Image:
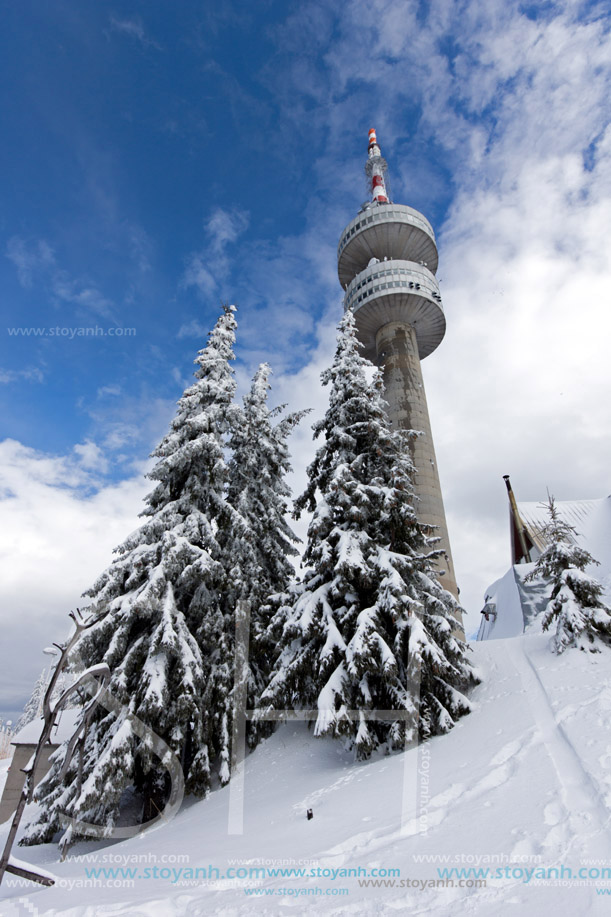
[
  {"x": 582, "y": 618},
  {"x": 259, "y": 557},
  {"x": 370, "y": 628},
  {"x": 163, "y": 626},
  {"x": 33, "y": 708}
]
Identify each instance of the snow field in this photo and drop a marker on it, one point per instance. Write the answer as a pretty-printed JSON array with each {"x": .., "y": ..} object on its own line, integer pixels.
[{"x": 522, "y": 784}]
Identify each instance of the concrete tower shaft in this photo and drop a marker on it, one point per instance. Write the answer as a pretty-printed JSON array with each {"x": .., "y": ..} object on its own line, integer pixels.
[{"x": 386, "y": 262}]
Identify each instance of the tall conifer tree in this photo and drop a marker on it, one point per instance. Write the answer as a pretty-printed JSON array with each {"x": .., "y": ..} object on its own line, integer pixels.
[
  {"x": 370, "y": 628},
  {"x": 259, "y": 555},
  {"x": 163, "y": 626}
]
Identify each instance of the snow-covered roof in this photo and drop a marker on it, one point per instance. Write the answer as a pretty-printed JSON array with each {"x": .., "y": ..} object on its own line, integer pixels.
[
  {"x": 30, "y": 733},
  {"x": 502, "y": 594}
]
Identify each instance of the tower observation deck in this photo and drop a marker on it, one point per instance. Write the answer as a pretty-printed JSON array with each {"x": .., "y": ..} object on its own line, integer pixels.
[{"x": 386, "y": 261}]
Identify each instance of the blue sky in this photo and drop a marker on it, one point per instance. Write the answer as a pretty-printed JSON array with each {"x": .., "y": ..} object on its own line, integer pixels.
[{"x": 161, "y": 158}]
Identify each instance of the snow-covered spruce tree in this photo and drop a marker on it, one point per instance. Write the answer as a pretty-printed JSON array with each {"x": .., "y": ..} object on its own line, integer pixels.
[
  {"x": 259, "y": 556},
  {"x": 582, "y": 618},
  {"x": 163, "y": 626},
  {"x": 33, "y": 708},
  {"x": 370, "y": 628}
]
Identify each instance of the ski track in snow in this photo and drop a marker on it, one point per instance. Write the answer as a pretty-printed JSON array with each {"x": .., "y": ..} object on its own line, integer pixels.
[
  {"x": 580, "y": 796},
  {"x": 504, "y": 764}
]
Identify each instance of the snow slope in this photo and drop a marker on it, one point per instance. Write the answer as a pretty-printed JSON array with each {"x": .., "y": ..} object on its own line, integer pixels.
[{"x": 522, "y": 784}]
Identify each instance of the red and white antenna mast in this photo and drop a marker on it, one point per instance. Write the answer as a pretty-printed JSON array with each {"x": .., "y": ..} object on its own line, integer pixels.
[{"x": 375, "y": 168}]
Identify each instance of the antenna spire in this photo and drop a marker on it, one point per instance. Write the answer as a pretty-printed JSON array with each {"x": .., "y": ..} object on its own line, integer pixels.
[{"x": 375, "y": 168}]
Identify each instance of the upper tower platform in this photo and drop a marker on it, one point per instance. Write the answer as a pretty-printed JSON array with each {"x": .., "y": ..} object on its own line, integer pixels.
[{"x": 381, "y": 231}]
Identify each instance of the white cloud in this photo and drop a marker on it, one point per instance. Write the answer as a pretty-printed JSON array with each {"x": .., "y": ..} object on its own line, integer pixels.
[
  {"x": 129, "y": 425},
  {"x": 15, "y": 375},
  {"x": 139, "y": 245},
  {"x": 29, "y": 260},
  {"x": 59, "y": 529},
  {"x": 134, "y": 28},
  {"x": 91, "y": 457},
  {"x": 224, "y": 227},
  {"x": 279, "y": 286},
  {"x": 37, "y": 262},
  {"x": 81, "y": 293},
  {"x": 193, "y": 329},
  {"x": 208, "y": 268},
  {"x": 197, "y": 274},
  {"x": 112, "y": 390}
]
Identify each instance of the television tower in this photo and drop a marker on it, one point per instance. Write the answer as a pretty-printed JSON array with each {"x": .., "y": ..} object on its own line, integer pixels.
[{"x": 386, "y": 261}]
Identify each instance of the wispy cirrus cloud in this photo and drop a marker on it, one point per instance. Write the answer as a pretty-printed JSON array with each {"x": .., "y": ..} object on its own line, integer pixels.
[
  {"x": 193, "y": 329},
  {"x": 207, "y": 268},
  {"x": 113, "y": 391},
  {"x": 33, "y": 374},
  {"x": 83, "y": 294},
  {"x": 36, "y": 263},
  {"x": 30, "y": 260},
  {"x": 134, "y": 28}
]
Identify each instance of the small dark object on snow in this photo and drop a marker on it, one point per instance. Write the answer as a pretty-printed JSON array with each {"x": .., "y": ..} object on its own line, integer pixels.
[{"x": 310, "y": 814}]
